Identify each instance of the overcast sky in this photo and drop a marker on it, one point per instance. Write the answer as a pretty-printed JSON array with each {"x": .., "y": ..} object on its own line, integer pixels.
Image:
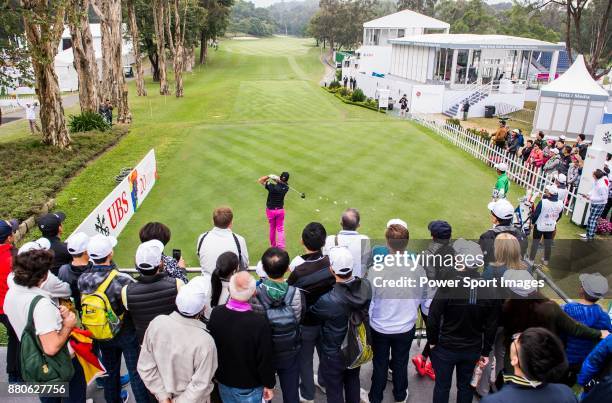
[{"x": 266, "y": 3}]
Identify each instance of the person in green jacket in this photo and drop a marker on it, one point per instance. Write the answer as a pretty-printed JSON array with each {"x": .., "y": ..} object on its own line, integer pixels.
[{"x": 502, "y": 186}]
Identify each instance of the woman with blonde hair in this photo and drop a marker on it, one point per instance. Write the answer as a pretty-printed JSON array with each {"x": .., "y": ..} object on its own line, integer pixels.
[{"x": 507, "y": 257}]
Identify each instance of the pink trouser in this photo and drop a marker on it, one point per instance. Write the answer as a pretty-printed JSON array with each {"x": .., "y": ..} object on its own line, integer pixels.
[{"x": 276, "y": 218}]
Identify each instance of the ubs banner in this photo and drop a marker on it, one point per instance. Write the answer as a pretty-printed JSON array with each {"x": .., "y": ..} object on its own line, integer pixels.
[{"x": 113, "y": 214}]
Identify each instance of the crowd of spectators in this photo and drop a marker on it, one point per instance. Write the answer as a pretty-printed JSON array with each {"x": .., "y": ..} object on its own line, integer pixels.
[{"x": 229, "y": 335}]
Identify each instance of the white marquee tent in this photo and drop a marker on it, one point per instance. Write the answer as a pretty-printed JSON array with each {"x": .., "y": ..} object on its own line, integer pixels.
[
  {"x": 66, "y": 73},
  {"x": 572, "y": 104}
]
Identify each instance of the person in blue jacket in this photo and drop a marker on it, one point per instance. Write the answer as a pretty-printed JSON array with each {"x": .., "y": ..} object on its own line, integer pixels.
[
  {"x": 586, "y": 310},
  {"x": 596, "y": 373}
]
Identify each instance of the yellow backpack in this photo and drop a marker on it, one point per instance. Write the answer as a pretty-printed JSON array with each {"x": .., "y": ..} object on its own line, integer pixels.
[{"x": 97, "y": 314}]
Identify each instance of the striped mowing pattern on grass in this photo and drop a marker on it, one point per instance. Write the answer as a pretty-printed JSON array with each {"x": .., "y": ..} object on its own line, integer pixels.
[{"x": 258, "y": 110}]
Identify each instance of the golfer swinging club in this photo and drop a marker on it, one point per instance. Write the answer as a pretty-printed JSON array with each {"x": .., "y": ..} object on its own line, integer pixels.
[{"x": 277, "y": 188}]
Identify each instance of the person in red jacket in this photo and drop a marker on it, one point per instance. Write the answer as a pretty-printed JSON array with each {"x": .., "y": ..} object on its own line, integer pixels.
[{"x": 7, "y": 252}]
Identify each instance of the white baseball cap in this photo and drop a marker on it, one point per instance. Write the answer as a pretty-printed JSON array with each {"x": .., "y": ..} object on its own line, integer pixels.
[
  {"x": 552, "y": 189},
  {"x": 193, "y": 296},
  {"x": 502, "y": 166},
  {"x": 340, "y": 260},
  {"x": 397, "y": 221},
  {"x": 100, "y": 246},
  {"x": 149, "y": 255},
  {"x": 77, "y": 243},
  {"x": 39, "y": 244},
  {"x": 554, "y": 150},
  {"x": 561, "y": 178},
  {"x": 502, "y": 209}
]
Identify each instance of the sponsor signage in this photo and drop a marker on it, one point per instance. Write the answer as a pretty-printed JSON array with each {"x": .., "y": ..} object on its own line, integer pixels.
[
  {"x": 573, "y": 95},
  {"x": 112, "y": 215}
]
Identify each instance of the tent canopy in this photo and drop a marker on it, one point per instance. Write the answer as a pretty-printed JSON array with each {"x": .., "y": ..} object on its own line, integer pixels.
[{"x": 576, "y": 82}]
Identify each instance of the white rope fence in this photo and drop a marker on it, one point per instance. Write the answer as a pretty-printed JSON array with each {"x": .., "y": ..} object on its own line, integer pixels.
[{"x": 526, "y": 175}]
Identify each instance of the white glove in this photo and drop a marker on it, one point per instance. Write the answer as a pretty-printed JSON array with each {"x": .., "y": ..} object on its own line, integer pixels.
[{"x": 273, "y": 177}]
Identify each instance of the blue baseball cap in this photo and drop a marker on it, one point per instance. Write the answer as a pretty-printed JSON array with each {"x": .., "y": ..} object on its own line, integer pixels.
[
  {"x": 7, "y": 228},
  {"x": 440, "y": 229}
]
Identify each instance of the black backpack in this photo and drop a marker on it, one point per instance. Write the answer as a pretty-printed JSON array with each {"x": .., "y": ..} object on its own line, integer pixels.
[{"x": 284, "y": 324}]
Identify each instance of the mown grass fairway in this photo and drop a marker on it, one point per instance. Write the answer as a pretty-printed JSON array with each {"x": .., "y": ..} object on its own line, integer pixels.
[{"x": 256, "y": 108}]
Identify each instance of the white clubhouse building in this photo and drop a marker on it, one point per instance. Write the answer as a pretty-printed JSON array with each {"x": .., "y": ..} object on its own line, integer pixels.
[{"x": 409, "y": 53}]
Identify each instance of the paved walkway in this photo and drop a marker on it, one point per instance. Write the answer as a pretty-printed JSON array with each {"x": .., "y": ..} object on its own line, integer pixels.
[
  {"x": 420, "y": 389},
  {"x": 18, "y": 114}
]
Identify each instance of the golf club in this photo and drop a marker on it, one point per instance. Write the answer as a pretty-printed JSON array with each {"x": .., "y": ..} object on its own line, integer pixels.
[{"x": 302, "y": 195}]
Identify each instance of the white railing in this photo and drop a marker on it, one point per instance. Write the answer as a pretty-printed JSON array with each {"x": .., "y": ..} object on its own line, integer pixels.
[
  {"x": 526, "y": 175},
  {"x": 502, "y": 109},
  {"x": 467, "y": 92}
]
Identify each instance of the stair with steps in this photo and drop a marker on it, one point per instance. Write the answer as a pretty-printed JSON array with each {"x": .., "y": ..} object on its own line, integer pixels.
[{"x": 473, "y": 99}]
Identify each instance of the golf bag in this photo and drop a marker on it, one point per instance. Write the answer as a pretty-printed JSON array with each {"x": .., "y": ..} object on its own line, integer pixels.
[{"x": 524, "y": 212}]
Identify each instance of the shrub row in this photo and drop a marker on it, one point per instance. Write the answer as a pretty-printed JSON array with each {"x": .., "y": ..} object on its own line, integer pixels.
[
  {"x": 356, "y": 97},
  {"x": 32, "y": 172}
]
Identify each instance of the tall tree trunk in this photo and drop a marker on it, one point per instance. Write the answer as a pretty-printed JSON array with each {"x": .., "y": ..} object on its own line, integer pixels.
[
  {"x": 84, "y": 55},
  {"x": 179, "y": 48},
  {"x": 188, "y": 59},
  {"x": 43, "y": 32},
  {"x": 568, "y": 32},
  {"x": 599, "y": 44},
  {"x": 113, "y": 81},
  {"x": 159, "y": 22},
  {"x": 140, "y": 86},
  {"x": 168, "y": 26},
  {"x": 203, "y": 47},
  {"x": 153, "y": 58}
]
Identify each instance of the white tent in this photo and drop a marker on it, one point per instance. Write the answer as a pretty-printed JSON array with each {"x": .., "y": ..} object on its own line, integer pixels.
[
  {"x": 572, "y": 104},
  {"x": 67, "y": 75}
]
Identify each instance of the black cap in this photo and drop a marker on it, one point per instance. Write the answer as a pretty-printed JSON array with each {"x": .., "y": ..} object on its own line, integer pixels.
[
  {"x": 284, "y": 176},
  {"x": 440, "y": 229},
  {"x": 50, "y": 223},
  {"x": 8, "y": 228}
]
